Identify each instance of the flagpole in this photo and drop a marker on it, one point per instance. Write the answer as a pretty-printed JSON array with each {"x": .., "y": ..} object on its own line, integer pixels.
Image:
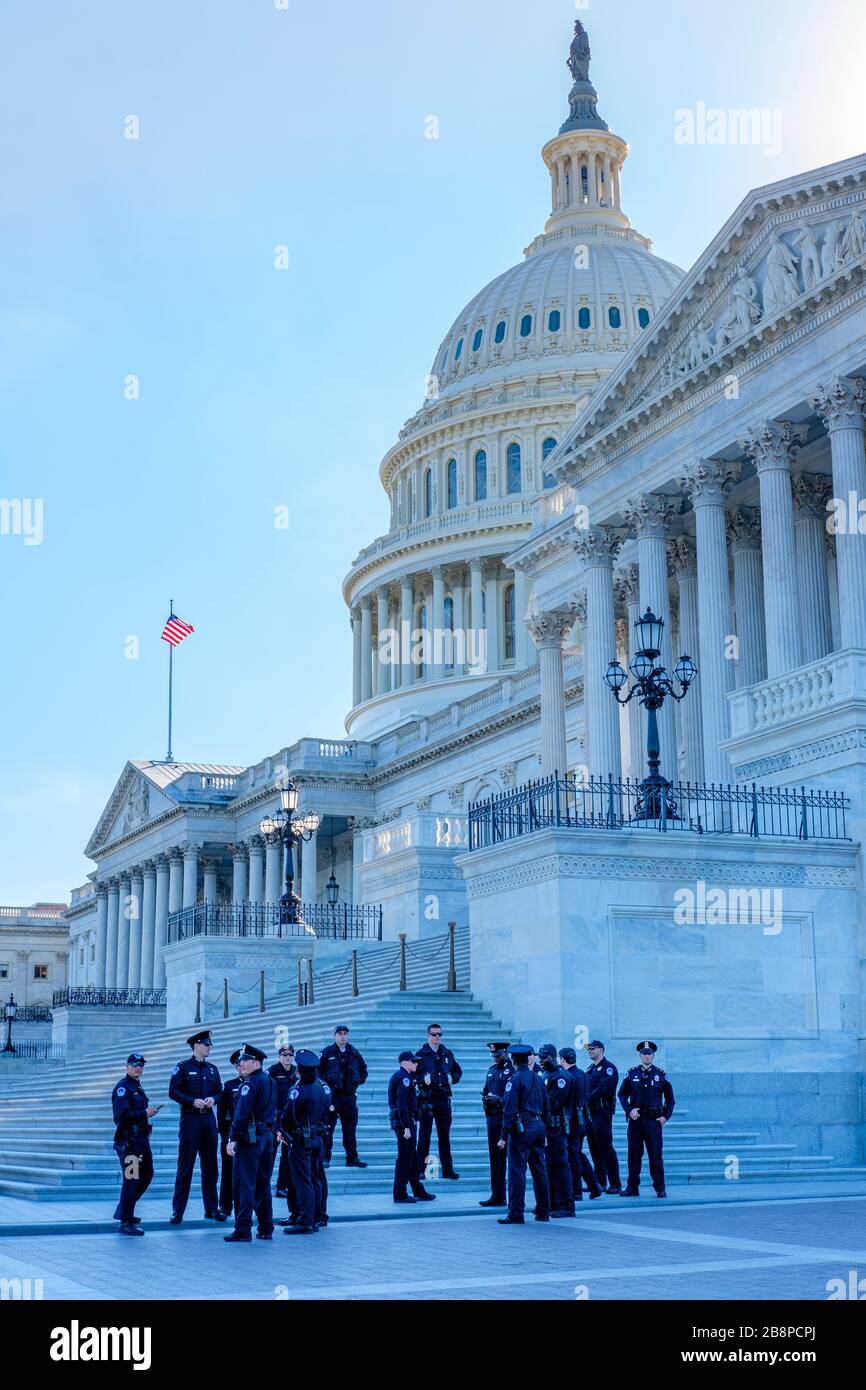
[{"x": 168, "y": 756}]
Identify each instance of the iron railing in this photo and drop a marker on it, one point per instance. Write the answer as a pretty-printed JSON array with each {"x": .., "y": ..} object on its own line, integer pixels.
[
  {"x": 34, "y": 1051},
  {"x": 33, "y": 1013},
  {"x": 343, "y": 922},
  {"x": 599, "y": 804},
  {"x": 109, "y": 998}
]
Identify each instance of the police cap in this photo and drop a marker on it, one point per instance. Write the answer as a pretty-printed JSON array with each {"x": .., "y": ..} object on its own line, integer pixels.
[
  {"x": 595, "y": 1043},
  {"x": 306, "y": 1060},
  {"x": 248, "y": 1053},
  {"x": 498, "y": 1046},
  {"x": 522, "y": 1050},
  {"x": 235, "y": 1057},
  {"x": 203, "y": 1037},
  {"x": 646, "y": 1047},
  {"x": 135, "y": 1059}
]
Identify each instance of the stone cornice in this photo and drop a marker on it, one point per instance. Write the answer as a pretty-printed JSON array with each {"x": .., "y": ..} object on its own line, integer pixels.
[{"x": 422, "y": 549}]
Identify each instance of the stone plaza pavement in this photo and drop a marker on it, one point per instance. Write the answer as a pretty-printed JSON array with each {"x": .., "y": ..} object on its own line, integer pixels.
[{"x": 776, "y": 1241}]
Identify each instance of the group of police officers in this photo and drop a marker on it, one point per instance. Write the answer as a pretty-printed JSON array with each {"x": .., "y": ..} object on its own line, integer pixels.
[{"x": 539, "y": 1108}]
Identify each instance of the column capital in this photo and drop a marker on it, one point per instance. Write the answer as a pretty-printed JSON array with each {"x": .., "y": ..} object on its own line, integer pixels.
[
  {"x": 491, "y": 566},
  {"x": 163, "y": 862},
  {"x": 682, "y": 558},
  {"x": 238, "y": 853},
  {"x": 810, "y": 492},
  {"x": 383, "y": 592},
  {"x": 366, "y": 603},
  {"x": 406, "y": 581},
  {"x": 437, "y": 573},
  {"x": 136, "y": 872},
  {"x": 707, "y": 481},
  {"x": 102, "y": 888},
  {"x": 597, "y": 547},
  {"x": 841, "y": 403},
  {"x": 649, "y": 514},
  {"x": 743, "y": 526},
  {"x": 550, "y": 629},
  {"x": 255, "y": 844},
  {"x": 148, "y": 868},
  {"x": 626, "y": 584},
  {"x": 476, "y": 564},
  {"x": 191, "y": 850},
  {"x": 175, "y": 854},
  {"x": 774, "y": 444},
  {"x": 354, "y": 614}
]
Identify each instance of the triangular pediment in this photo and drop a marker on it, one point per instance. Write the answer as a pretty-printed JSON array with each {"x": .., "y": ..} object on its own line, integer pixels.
[
  {"x": 787, "y": 251},
  {"x": 135, "y": 801}
]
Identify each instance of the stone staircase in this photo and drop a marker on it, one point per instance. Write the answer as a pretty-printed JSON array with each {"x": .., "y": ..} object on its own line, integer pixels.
[{"x": 56, "y": 1128}]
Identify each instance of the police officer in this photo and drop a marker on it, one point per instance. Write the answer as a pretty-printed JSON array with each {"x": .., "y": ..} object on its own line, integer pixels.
[
  {"x": 343, "y": 1069},
  {"x": 601, "y": 1082},
  {"x": 132, "y": 1116},
  {"x": 438, "y": 1071},
  {"x": 225, "y": 1112},
  {"x": 304, "y": 1120},
  {"x": 403, "y": 1119},
  {"x": 498, "y": 1076},
  {"x": 524, "y": 1122},
  {"x": 251, "y": 1145},
  {"x": 559, "y": 1106},
  {"x": 284, "y": 1075},
  {"x": 195, "y": 1085},
  {"x": 580, "y": 1165},
  {"x": 647, "y": 1097}
]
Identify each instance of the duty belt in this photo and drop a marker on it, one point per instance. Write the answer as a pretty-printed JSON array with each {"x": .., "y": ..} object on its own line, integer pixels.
[{"x": 530, "y": 1115}]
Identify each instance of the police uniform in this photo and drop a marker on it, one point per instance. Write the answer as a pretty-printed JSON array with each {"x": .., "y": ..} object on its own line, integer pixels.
[
  {"x": 403, "y": 1116},
  {"x": 601, "y": 1083},
  {"x": 225, "y": 1111},
  {"x": 284, "y": 1080},
  {"x": 438, "y": 1070},
  {"x": 253, "y": 1133},
  {"x": 647, "y": 1090},
  {"x": 495, "y": 1082},
  {"x": 194, "y": 1080},
  {"x": 132, "y": 1145},
  {"x": 305, "y": 1120},
  {"x": 524, "y": 1122},
  {"x": 344, "y": 1070},
  {"x": 559, "y": 1105},
  {"x": 581, "y": 1168}
]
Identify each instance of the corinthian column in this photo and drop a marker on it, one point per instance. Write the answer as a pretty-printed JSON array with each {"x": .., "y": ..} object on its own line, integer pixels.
[
  {"x": 239, "y": 873},
  {"x": 190, "y": 875},
  {"x": 684, "y": 568},
  {"x": 627, "y": 590},
  {"x": 772, "y": 448},
  {"x": 366, "y": 649},
  {"x": 707, "y": 481},
  {"x": 257, "y": 870},
  {"x": 548, "y": 632},
  {"x": 111, "y": 937},
  {"x": 597, "y": 548},
  {"x": 148, "y": 926},
  {"x": 123, "y": 910},
  {"x": 163, "y": 875},
  {"x": 744, "y": 538},
  {"x": 841, "y": 405},
  {"x": 810, "y": 492},
  {"x": 355, "y": 621},
  {"x": 135, "y": 893},
  {"x": 101, "y": 935},
  {"x": 436, "y": 654},
  {"x": 649, "y": 516},
  {"x": 273, "y": 868},
  {"x": 383, "y": 644}
]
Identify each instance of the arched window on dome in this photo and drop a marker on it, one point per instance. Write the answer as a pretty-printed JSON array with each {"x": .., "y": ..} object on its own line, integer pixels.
[
  {"x": 614, "y": 317},
  {"x": 452, "y": 484},
  {"x": 428, "y": 492},
  {"x": 584, "y": 183},
  {"x": 526, "y": 325},
  {"x": 448, "y": 609},
  {"x": 643, "y": 317},
  {"x": 508, "y": 622},
  {"x": 512, "y": 470},
  {"x": 476, "y": 341},
  {"x": 480, "y": 476},
  {"x": 422, "y": 639},
  {"x": 458, "y": 351},
  {"x": 499, "y": 335},
  {"x": 554, "y": 321},
  {"x": 547, "y": 449},
  {"x": 584, "y": 318}
]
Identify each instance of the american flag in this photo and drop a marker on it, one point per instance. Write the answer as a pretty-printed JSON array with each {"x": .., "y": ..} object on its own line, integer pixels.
[{"x": 175, "y": 630}]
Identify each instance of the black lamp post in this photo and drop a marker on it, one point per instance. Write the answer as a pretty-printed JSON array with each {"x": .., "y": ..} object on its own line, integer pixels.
[
  {"x": 10, "y": 1012},
  {"x": 652, "y": 685},
  {"x": 332, "y": 887},
  {"x": 292, "y": 829}
]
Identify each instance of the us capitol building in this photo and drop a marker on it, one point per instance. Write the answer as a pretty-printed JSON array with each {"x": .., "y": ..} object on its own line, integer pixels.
[{"x": 601, "y": 434}]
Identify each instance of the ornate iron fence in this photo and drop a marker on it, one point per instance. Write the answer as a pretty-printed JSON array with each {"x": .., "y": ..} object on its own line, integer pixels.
[
  {"x": 33, "y": 1013},
  {"x": 109, "y": 998},
  {"x": 342, "y": 922},
  {"x": 599, "y": 804},
  {"x": 34, "y": 1051}
]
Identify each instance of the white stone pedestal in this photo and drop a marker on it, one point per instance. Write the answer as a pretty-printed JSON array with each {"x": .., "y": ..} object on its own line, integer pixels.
[{"x": 211, "y": 959}]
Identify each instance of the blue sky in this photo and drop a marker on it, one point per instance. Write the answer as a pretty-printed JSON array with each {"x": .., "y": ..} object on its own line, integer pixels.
[{"x": 261, "y": 388}]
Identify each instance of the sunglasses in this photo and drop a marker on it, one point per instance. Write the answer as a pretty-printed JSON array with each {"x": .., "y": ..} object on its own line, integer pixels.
[{"x": 436, "y": 1035}]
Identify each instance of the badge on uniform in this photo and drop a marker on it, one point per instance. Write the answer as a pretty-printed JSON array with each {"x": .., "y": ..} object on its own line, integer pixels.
[
  {"x": 244, "y": 1090},
  {"x": 405, "y": 1081},
  {"x": 561, "y": 1081},
  {"x": 508, "y": 1087},
  {"x": 610, "y": 1071},
  {"x": 121, "y": 1090},
  {"x": 176, "y": 1070},
  {"x": 293, "y": 1095}
]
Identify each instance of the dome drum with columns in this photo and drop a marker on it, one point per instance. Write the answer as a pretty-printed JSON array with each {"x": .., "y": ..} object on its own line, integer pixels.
[{"x": 468, "y": 467}]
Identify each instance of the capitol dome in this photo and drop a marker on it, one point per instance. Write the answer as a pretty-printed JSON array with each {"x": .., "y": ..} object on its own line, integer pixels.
[{"x": 467, "y": 472}]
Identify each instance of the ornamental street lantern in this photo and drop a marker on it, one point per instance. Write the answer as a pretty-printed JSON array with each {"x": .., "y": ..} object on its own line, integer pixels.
[
  {"x": 10, "y": 1013},
  {"x": 291, "y": 830},
  {"x": 652, "y": 685}
]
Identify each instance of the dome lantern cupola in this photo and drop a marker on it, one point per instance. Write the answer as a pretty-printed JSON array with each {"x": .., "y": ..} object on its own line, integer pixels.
[{"x": 585, "y": 158}]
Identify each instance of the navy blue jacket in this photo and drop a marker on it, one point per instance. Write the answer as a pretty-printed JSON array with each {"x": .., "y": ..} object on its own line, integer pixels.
[
  {"x": 648, "y": 1090},
  {"x": 495, "y": 1082},
  {"x": 402, "y": 1101},
  {"x": 129, "y": 1105},
  {"x": 441, "y": 1066},
  {"x": 525, "y": 1099},
  {"x": 255, "y": 1103},
  {"x": 344, "y": 1072},
  {"x": 601, "y": 1083},
  {"x": 308, "y": 1106},
  {"x": 225, "y": 1106},
  {"x": 193, "y": 1080}
]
